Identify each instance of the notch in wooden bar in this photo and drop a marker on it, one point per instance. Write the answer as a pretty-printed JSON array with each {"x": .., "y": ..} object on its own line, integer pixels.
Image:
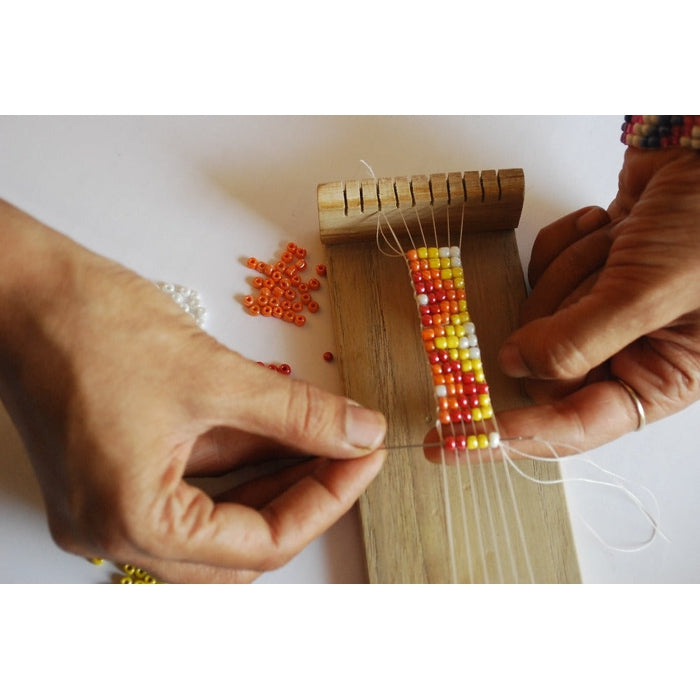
[{"x": 489, "y": 200}]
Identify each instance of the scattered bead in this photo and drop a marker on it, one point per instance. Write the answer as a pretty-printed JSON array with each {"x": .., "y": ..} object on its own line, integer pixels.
[
  {"x": 321, "y": 270},
  {"x": 328, "y": 356}
]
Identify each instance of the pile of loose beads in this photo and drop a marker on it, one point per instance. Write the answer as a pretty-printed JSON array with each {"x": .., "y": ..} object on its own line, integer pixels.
[
  {"x": 131, "y": 573},
  {"x": 187, "y": 299},
  {"x": 280, "y": 290},
  {"x": 451, "y": 345}
]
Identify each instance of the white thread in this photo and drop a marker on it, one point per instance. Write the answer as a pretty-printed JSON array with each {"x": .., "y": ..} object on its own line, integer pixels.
[{"x": 635, "y": 500}]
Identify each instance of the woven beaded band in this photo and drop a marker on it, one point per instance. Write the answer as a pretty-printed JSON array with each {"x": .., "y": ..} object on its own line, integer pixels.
[{"x": 661, "y": 131}]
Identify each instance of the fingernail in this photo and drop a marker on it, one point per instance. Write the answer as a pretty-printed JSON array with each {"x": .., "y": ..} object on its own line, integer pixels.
[
  {"x": 364, "y": 428},
  {"x": 593, "y": 219},
  {"x": 512, "y": 363}
]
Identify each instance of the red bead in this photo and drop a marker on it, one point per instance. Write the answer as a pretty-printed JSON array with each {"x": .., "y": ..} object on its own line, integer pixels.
[
  {"x": 474, "y": 401},
  {"x": 285, "y": 369},
  {"x": 450, "y": 442},
  {"x": 426, "y": 320},
  {"x": 328, "y": 356}
]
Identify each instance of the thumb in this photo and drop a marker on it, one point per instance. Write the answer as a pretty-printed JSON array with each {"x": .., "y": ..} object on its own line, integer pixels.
[{"x": 297, "y": 414}]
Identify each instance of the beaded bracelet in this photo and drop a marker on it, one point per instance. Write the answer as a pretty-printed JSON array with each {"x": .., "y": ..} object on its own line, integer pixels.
[{"x": 661, "y": 131}]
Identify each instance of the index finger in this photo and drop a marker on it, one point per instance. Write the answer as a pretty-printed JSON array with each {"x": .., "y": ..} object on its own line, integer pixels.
[
  {"x": 195, "y": 529},
  {"x": 590, "y": 417}
]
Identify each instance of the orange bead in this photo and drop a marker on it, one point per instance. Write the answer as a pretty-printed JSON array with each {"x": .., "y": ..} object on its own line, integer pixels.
[
  {"x": 260, "y": 266},
  {"x": 299, "y": 320},
  {"x": 297, "y": 306},
  {"x": 257, "y": 282},
  {"x": 266, "y": 310},
  {"x": 251, "y": 263},
  {"x": 300, "y": 264},
  {"x": 321, "y": 270},
  {"x": 288, "y": 316},
  {"x": 287, "y": 257},
  {"x": 277, "y": 311},
  {"x": 312, "y": 306},
  {"x": 248, "y": 301},
  {"x": 300, "y": 252},
  {"x": 291, "y": 246},
  {"x": 269, "y": 283},
  {"x": 428, "y": 333},
  {"x": 277, "y": 292},
  {"x": 254, "y": 309},
  {"x": 290, "y": 294},
  {"x": 314, "y": 284}
]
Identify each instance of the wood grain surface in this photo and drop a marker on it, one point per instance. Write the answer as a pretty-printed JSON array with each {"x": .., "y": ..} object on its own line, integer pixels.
[{"x": 423, "y": 522}]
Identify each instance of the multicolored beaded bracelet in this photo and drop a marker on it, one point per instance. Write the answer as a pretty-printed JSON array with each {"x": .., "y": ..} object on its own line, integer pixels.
[
  {"x": 661, "y": 131},
  {"x": 451, "y": 346}
]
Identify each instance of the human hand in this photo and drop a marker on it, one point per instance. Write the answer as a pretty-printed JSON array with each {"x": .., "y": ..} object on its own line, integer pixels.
[
  {"x": 615, "y": 294},
  {"x": 120, "y": 397}
]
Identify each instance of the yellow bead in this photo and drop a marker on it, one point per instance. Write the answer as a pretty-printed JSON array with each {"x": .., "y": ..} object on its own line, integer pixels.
[
  {"x": 459, "y": 331},
  {"x": 452, "y": 341},
  {"x": 487, "y": 412},
  {"x": 456, "y": 319},
  {"x": 459, "y": 283},
  {"x": 129, "y": 569},
  {"x": 97, "y": 562},
  {"x": 484, "y": 400},
  {"x": 466, "y": 364},
  {"x": 477, "y": 415},
  {"x": 445, "y": 263},
  {"x": 433, "y": 253},
  {"x": 433, "y": 263},
  {"x": 450, "y": 330},
  {"x": 472, "y": 442},
  {"x": 457, "y": 273},
  {"x": 446, "y": 274},
  {"x": 441, "y": 343},
  {"x": 483, "y": 441},
  {"x": 478, "y": 365},
  {"x": 422, "y": 253},
  {"x": 454, "y": 354},
  {"x": 462, "y": 306},
  {"x": 480, "y": 377},
  {"x": 126, "y": 579},
  {"x": 463, "y": 317}
]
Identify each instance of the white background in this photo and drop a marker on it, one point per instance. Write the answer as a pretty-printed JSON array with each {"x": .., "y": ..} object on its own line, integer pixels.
[{"x": 187, "y": 199}]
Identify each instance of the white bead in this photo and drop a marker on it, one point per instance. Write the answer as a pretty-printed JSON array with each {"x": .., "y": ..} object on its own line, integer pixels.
[
  {"x": 474, "y": 353},
  {"x": 440, "y": 390},
  {"x": 469, "y": 327},
  {"x": 455, "y": 251},
  {"x": 455, "y": 262},
  {"x": 444, "y": 252},
  {"x": 422, "y": 299},
  {"x": 464, "y": 343},
  {"x": 494, "y": 440},
  {"x": 472, "y": 340}
]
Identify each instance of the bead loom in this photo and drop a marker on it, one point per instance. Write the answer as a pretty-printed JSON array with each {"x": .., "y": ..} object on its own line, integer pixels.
[{"x": 423, "y": 522}]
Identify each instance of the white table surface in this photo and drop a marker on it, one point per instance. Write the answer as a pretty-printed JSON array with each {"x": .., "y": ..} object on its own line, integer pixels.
[{"x": 183, "y": 200}]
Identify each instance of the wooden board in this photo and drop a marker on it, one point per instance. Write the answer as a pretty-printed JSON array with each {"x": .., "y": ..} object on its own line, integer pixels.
[{"x": 424, "y": 522}]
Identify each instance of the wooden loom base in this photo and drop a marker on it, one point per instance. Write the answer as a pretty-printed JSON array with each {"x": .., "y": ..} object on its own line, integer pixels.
[{"x": 384, "y": 366}]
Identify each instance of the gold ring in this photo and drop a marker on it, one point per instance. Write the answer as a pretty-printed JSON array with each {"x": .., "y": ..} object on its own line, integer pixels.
[{"x": 641, "y": 415}]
